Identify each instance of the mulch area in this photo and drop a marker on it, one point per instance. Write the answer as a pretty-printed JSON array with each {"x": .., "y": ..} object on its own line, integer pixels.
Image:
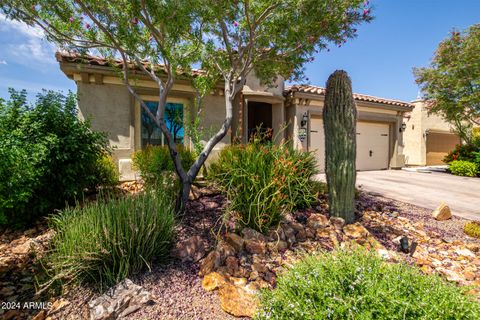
[{"x": 176, "y": 286}]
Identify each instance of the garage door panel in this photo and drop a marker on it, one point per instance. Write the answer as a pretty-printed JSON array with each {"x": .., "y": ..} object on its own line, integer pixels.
[
  {"x": 372, "y": 144},
  {"x": 439, "y": 145}
]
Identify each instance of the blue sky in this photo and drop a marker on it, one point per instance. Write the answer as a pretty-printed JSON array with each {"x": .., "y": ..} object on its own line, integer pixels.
[{"x": 403, "y": 35}]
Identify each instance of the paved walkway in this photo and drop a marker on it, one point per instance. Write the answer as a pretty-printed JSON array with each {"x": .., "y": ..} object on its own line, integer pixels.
[{"x": 426, "y": 190}]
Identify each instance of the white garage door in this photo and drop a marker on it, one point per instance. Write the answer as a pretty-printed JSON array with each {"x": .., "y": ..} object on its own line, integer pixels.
[{"x": 372, "y": 144}]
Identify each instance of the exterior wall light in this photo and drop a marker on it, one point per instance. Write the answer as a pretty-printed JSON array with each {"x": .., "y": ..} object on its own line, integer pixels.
[
  {"x": 304, "y": 120},
  {"x": 403, "y": 127}
]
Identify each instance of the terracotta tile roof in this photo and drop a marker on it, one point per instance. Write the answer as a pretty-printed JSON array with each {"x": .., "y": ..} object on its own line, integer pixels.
[
  {"x": 304, "y": 88},
  {"x": 73, "y": 57}
]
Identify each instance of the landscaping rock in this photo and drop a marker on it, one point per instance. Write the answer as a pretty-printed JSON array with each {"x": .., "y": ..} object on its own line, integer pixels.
[
  {"x": 237, "y": 301},
  {"x": 255, "y": 246},
  {"x": 235, "y": 241},
  {"x": 250, "y": 234},
  {"x": 277, "y": 246},
  {"x": 355, "y": 231},
  {"x": 442, "y": 212},
  {"x": 232, "y": 264},
  {"x": 316, "y": 221},
  {"x": 225, "y": 250},
  {"x": 119, "y": 301},
  {"x": 337, "y": 222},
  {"x": 212, "y": 281},
  {"x": 192, "y": 249},
  {"x": 210, "y": 263}
]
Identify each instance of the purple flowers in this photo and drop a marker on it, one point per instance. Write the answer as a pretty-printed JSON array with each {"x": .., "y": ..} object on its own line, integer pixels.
[
  {"x": 235, "y": 23},
  {"x": 87, "y": 25},
  {"x": 71, "y": 19}
]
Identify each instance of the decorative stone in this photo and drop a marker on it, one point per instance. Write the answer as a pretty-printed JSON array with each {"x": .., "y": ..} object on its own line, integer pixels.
[
  {"x": 210, "y": 263},
  {"x": 298, "y": 227},
  {"x": 337, "y": 222},
  {"x": 465, "y": 252},
  {"x": 225, "y": 250},
  {"x": 58, "y": 305},
  {"x": 279, "y": 245},
  {"x": 355, "y": 230},
  {"x": 192, "y": 249},
  {"x": 250, "y": 234},
  {"x": 255, "y": 247},
  {"x": 212, "y": 281},
  {"x": 317, "y": 221},
  {"x": 442, "y": 212},
  {"x": 119, "y": 301},
  {"x": 232, "y": 264},
  {"x": 40, "y": 316},
  {"x": 301, "y": 236},
  {"x": 237, "y": 301},
  {"x": 235, "y": 241}
]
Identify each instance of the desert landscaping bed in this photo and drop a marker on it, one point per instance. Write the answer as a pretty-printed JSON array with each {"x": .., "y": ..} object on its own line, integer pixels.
[{"x": 215, "y": 267}]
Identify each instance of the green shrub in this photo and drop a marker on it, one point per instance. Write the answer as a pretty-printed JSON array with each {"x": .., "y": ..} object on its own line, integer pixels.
[
  {"x": 107, "y": 172},
  {"x": 154, "y": 162},
  {"x": 464, "y": 152},
  {"x": 463, "y": 168},
  {"x": 263, "y": 181},
  {"x": 359, "y": 285},
  {"x": 472, "y": 229},
  {"x": 49, "y": 156},
  {"x": 106, "y": 241}
]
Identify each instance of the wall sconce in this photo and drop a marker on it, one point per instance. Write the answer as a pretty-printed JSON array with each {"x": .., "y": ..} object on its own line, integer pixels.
[
  {"x": 403, "y": 127},
  {"x": 304, "y": 120}
]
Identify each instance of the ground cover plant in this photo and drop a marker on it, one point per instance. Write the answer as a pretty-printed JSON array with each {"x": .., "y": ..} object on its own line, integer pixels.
[
  {"x": 263, "y": 181},
  {"x": 359, "y": 285},
  {"x": 472, "y": 228},
  {"x": 463, "y": 168},
  {"x": 49, "y": 156},
  {"x": 154, "y": 162},
  {"x": 106, "y": 241}
]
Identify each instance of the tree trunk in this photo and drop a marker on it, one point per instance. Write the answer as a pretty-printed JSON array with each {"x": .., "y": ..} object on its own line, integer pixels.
[{"x": 339, "y": 119}]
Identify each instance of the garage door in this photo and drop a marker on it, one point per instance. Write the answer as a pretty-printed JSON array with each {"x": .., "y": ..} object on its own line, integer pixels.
[
  {"x": 438, "y": 145},
  {"x": 372, "y": 144}
]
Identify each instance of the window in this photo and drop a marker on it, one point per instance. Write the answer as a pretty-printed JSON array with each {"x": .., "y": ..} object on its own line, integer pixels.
[{"x": 152, "y": 135}]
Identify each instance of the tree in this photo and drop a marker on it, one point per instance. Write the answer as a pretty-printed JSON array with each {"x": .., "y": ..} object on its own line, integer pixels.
[
  {"x": 163, "y": 39},
  {"x": 451, "y": 84}
]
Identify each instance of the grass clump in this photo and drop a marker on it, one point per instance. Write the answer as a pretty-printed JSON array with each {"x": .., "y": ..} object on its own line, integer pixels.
[
  {"x": 359, "y": 285},
  {"x": 263, "y": 181},
  {"x": 106, "y": 241},
  {"x": 472, "y": 229}
]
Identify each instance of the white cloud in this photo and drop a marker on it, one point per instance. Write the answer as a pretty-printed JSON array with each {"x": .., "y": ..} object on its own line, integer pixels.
[
  {"x": 3, "y": 62},
  {"x": 26, "y": 44}
]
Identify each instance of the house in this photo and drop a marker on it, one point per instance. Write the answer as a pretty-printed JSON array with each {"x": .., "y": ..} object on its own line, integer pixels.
[
  {"x": 293, "y": 113},
  {"x": 428, "y": 138}
]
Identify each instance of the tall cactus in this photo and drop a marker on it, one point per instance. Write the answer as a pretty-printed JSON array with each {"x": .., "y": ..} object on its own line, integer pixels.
[{"x": 340, "y": 122}]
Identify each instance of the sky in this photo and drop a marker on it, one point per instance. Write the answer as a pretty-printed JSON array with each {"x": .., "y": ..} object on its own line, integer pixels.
[{"x": 403, "y": 35}]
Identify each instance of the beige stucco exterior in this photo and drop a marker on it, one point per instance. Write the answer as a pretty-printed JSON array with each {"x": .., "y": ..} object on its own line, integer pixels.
[
  {"x": 419, "y": 123},
  {"x": 106, "y": 101}
]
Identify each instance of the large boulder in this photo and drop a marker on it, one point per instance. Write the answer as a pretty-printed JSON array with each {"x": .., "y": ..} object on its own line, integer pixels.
[
  {"x": 238, "y": 301},
  {"x": 442, "y": 212}
]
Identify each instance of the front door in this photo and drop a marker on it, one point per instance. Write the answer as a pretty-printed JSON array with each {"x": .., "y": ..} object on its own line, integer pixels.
[{"x": 260, "y": 120}]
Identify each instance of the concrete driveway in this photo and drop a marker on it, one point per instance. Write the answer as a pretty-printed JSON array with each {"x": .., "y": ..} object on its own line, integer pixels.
[{"x": 426, "y": 190}]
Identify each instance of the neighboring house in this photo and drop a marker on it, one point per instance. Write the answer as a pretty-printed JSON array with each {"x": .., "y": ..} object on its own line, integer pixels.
[
  {"x": 428, "y": 138},
  {"x": 293, "y": 113}
]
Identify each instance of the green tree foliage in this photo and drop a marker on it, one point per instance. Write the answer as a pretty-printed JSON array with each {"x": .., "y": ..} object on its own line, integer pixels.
[
  {"x": 451, "y": 85},
  {"x": 48, "y": 156}
]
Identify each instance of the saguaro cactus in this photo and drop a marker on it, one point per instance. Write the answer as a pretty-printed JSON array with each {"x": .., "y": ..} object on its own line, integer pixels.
[{"x": 340, "y": 122}]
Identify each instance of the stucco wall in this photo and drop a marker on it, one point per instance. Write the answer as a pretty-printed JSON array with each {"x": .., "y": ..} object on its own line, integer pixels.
[
  {"x": 414, "y": 136},
  {"x": 253, "y": 84},
  {"x": 109, "y": 107}
]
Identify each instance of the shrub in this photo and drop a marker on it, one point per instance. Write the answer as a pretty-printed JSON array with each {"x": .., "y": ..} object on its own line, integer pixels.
[
  {"x": 359, "y": 285},
  {"x": 106, "y": 241},
  {"x": 472, "y": 229},
  {"x": 107, "y": 172},
  {"x": 464, "y": 152},
  {"x": 463, "y": 168},
  {"x": 48, "y": 155},
  {"x": 263, "y": 181},
  {"x": 154, "y": 162}
]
